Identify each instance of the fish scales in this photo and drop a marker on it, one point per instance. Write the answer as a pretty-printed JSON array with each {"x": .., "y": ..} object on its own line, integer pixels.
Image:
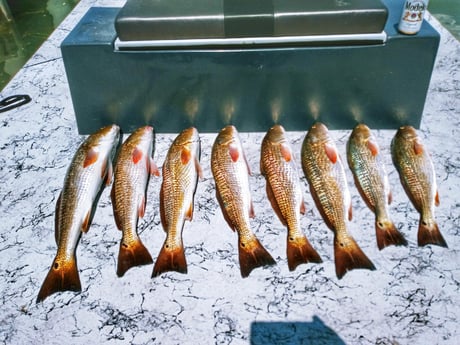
[
  {"x": 325, "y": 174},
  {"x": 181, "y": 171},
  {"x": 285, "y": 195}
]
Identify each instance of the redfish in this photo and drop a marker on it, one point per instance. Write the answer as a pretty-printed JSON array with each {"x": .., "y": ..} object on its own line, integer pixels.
[
  {"x": 366, "y": 163},
  {"x": 278, "y": 165},
  {"x": 181, "y": 171},
  {"x": 326, "y": 177},
  {"x": 129, "y": 195},
  {"x": 416, "y": 171},
  {"x": 91, "y": 166},
  {"x": 231, "y": 174}
]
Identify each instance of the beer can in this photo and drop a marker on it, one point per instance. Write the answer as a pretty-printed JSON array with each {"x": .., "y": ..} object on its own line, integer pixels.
[{"x": 412, "y": 16}]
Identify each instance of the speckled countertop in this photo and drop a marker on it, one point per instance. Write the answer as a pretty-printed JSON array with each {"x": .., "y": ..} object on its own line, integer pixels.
[{"x": 412, "y": 297}]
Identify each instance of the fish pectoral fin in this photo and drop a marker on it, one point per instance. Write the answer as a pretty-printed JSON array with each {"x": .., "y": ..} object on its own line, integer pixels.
[
  {"x": 91, "y": 158},
  {"x": 331, "y": 152},
  {"x": 418, "y": 147},
  {"x": 373, "y": 147},
  {"x": 189, "y": 212},
  {"x": 436, "y": 198},
  {"x": 185, "y": 155},
  {"x": 137, "y": 155},
  {"x": 233, "y": 152},
  {"x": 198, "y": 168},
  {"x": 286, "y": 152}
]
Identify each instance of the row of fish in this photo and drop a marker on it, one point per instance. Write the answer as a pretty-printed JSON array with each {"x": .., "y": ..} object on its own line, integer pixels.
[{"x": 92, "y": 166}]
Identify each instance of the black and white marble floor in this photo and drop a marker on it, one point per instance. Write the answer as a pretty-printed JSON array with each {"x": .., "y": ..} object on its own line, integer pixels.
[{"x": 412, "y": 298}]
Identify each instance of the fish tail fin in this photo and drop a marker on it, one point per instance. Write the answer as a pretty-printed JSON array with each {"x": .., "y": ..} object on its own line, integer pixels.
[
  {"x": 300, "y": 251},
  {"x": 170, "y": 259},
  {"x": 387, "y": 234},
  {"x": 252, "y": 255},
  {"x": 349, "y": 256},
  {"x": 430, "y": 234},
  {"x": 62, "y": 276},
  {"x": 131, "y": 254}
]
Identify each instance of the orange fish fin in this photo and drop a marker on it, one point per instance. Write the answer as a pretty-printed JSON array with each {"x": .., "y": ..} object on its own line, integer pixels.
[
  {"x": 252, "y": 214},
  {"x": 388, "y": 235},
  {"x": 198, "y": 168},
  {"x": 108, "y": 171},
  {"x": 350, "y": 213},
  {"x": 300, "y": 251},
  {"x": 436, "y": 199},
  {"x": 418, "y": 147},
  {"x": 132, "y": 254},
  {"x": 373, "y": 147},
  {"x": 331, "y": 152},
  {"x": 390, "y": 198},
  {"x": 61, "y": 277},
  {"x": 430, "y": 234},
  {"x": 137, "y": 155},
  {"x": 247, "y": 165},
  {"x": 91, "y": 158},
  {"x": 153, "y": 168},
  {"x": 170, "y": 259},
  {"x": 274, "y": 203},
  {"x": 349, "y": 256},
  {"x": 141, "y": 207},
  {"x": 234, "y": 152},
  {"x": 252, "y": 255},
  {"x": 185, "y": 155},
  {"x": 286, "y": 152},
  {"x": 303, "y": 208},
  {"x": 189, "y": 212},
  {"x": 57, "y": 232},
  {"x": 86, "y": 222}
]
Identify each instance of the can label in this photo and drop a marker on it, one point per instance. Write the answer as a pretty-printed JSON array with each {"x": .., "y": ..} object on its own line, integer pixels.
[{"x": 412, "y": 16}]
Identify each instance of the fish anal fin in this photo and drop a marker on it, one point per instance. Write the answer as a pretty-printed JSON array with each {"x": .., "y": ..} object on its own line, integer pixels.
[
  {"x": 349, "y": 256},
  {"x": 189, "y": 212},
  {"x": 303, "y": 208},
  {"x": 350, "y": 213},
  {"x": 86, "y": 222},
  {"x": 331, "y": 152},
  {"x": 390, "y": 198},
  {"x": 387, "y": 234},
  {"x": 108, "y": 171},
  {"x": 132, "y": 254},
  {"x": 141, "y": 207},
  {"x": 62, "y": 276},
  {"x": 153, "y": 168},
  {"x": 170, "y": 259},
  {"x": 428, "y": 233},
  {"x": 198, "y": 168},
  {"x": 91, "y": 158},
  {"x": 436, "y": 199},
  {"x": 300, "y": 251},
  {"x": 252, "y": 255},
  {"x": 252, "y": 214}
]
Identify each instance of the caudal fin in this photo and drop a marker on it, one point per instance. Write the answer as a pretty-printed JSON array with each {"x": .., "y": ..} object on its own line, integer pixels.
[
  {"x": 170, "y": 259},
  {"x": 430, "y": 234},
  {"x": 387, "y": 234},
  {"x": 132, "y": 254},
  {"x": 252, "y": 255},
  {"x": 300, "y": 251},
  {"x": 349, "y": 256},
  {"x": 62, "y": 276}
]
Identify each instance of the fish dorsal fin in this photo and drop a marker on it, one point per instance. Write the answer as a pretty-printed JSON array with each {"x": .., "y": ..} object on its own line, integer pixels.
[
  {"x": 418, "y": 147},
  {"x": 185, "y": 155},
  {"x": 286, "y": 152},
  {"x": 373, "y": 147},
  {"x": 86, "y": 222},
  {"x": 137, "y": 155},
  {"x": 436, "y": 199},
  {"x": 91, "y": 158},
  {"x": 141, "y": 207},
  {"x": 331, "y": 152},
  {"x": 234, "y": 152},
  {"x": 153, "y": 168}
]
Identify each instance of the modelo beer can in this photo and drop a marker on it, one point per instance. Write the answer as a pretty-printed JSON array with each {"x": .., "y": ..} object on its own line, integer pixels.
[{"x": 412, "y": 16}]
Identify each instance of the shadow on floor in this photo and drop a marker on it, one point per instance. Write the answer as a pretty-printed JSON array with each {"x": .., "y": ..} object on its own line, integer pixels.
[{"x": 292, "y": 333}]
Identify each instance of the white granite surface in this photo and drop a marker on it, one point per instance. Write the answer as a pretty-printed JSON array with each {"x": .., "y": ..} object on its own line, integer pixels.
[{"x": 412, "y": 298}]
